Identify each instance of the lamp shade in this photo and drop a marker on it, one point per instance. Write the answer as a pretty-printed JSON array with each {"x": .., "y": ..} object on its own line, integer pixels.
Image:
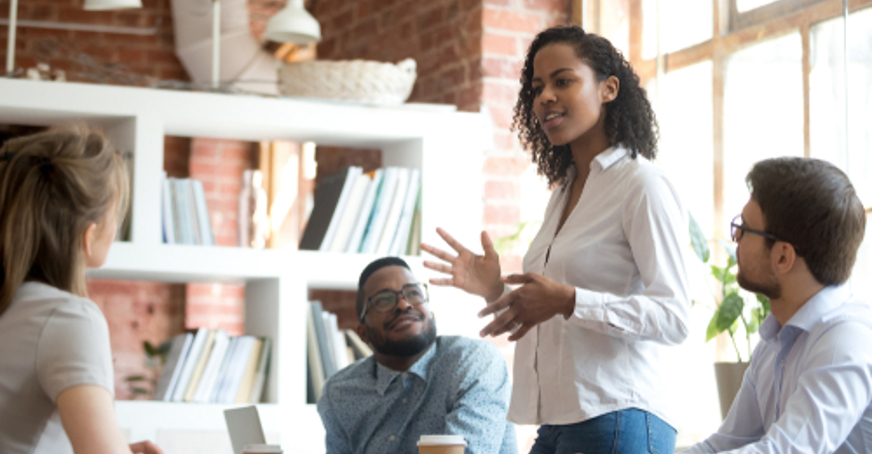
[
  {"x": 293, "y": 25},
  {"x": 101, "y": 5}
]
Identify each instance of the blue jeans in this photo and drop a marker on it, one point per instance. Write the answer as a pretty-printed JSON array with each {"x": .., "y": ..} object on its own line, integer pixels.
[{"x": 629, "y": 431}]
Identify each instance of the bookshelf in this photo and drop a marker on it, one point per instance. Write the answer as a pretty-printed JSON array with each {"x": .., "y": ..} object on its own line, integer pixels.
[{"x": 447, "y": 147}]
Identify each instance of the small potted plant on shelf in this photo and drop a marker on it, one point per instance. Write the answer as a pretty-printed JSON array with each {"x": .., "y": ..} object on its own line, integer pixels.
[{"x": 737, "y": 312}]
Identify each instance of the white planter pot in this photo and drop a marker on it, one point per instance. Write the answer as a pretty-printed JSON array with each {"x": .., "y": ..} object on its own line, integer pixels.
[{"x": 729, "y": 378}]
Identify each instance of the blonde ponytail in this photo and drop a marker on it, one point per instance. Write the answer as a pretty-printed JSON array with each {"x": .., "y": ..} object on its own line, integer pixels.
[{"x": 53, "y": 185}]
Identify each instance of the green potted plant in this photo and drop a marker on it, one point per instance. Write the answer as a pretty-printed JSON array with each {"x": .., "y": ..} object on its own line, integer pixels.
[{"x": 736, "y": 313}]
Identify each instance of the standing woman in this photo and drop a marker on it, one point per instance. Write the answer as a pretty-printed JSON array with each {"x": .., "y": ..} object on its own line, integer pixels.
[
  {"x": 604, "y": 283},
  {"x": 60, "y": 195}
]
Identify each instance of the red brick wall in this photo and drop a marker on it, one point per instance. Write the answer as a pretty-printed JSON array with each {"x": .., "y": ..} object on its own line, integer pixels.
[{"x": 152, "y": 55}]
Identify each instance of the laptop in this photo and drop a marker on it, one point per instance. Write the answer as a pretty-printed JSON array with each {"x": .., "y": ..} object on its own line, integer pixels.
[{"x": 244, "y": 427}]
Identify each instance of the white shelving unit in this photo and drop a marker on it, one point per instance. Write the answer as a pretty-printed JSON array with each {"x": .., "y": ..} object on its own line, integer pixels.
[{"x": 447, "y": 146}]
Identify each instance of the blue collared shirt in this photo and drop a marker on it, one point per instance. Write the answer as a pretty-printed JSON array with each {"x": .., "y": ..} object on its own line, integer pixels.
[
  {"x": 459, "y": 387},
  {"x": 809, "y": 386}
]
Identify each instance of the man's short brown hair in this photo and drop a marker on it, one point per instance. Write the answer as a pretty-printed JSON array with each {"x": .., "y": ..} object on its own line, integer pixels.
[{"x": 812, "y": 205}]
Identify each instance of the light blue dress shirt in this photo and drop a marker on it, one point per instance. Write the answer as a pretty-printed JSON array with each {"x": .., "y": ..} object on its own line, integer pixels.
[
  {"x": 459, "y": 387},
  {"x": 809, "y": 386}
]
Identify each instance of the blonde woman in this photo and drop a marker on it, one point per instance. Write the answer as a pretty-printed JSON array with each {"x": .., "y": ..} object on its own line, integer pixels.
[{"x": 60, "y": 194}]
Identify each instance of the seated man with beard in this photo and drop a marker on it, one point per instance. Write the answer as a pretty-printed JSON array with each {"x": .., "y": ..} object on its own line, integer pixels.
[{"x": 415, "y": 383}]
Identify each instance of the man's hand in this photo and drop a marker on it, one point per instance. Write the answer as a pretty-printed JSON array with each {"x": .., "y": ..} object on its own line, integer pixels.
[{"x": 145, "y": 447}]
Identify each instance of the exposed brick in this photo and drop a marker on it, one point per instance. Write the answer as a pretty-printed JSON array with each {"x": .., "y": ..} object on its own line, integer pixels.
[
  {"x": 499, "y": 94},
  {"x": 502, "y": 190},
  {"x": 501, "y": 214},
  {"x": 512, "y": 21},
  {"x": 500, "y": 44},
  {"x": 506, "y": 166},
  {"x": 502, "y": 68}
]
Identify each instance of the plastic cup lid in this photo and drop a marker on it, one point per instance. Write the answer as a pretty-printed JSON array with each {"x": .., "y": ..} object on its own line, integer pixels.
[{"x": 441, "y": 440}]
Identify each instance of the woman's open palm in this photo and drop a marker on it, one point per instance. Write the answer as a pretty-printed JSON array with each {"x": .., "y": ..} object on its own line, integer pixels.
[{"x": 476, "y": 274}]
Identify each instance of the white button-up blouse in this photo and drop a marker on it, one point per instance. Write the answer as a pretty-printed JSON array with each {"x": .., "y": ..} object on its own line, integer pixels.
[{"x": 621, "y": 248}]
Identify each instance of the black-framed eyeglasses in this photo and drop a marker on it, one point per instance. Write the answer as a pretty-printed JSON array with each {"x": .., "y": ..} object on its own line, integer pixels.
[
  {"x": 386, "y": 300},
  {"x": 738, "y": 229}
]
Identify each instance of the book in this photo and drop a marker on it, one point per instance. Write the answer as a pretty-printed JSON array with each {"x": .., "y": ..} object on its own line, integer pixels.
[
  {"x": 323, "y": 341},
  {"x": 350, "y": 213},
  {"x": 361, "y": 350},
  {"x": 204, "y": 225},
  {"x": 313, "y": 355},
  {"x": 197, "y": 375},
  {"x": 365, "y": 212},
  {"x": 393, "y": 219},
  {"x": 175, "y": 359},
  {"x": 262, "y": 371},
  {"x": 169, "y": 229},
  {"x": 177, "y": 210},
  {"x": 380, "y": 211},
  {"x": 326, "y": 198},
  {"x": 351, "y": 178},
  {"x": 190, "y": 363},
  {"x": 340, "y": 353},
  {"x": 243, "y": 394},
  {"x": 221, "y": 380},
  {"x": 414, "y": 246},
  {"x": 401, "y": 238},
  {"x": 236, "y": 370},
  {"x": 191, "y": 206},
  {"x": 210, "y": 374}
]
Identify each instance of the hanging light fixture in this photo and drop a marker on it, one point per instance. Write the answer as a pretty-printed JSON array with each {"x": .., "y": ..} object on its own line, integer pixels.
[{"x": 293, "y": 25}]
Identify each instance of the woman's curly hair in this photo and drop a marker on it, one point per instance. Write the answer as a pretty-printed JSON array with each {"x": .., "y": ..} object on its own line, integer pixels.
[{"x": 629, "y": 118}]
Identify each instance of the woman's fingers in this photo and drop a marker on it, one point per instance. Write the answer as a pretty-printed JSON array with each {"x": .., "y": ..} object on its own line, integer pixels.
[
  {"x": 521, "y": 332},
  {"x": 505, "y": 322},
  {"x": 439, "y": 253},
  {"x": 446, "y": 282},
  {"x": 488, "y": 246},
  {"x": 441, "y": 267},
  {"x": 518, "y": 278},
  {"x": 498, "y": 305},
  {"x": 451, "y": 241}
]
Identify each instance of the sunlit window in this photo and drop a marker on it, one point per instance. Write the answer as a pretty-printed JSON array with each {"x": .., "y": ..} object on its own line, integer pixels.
[
  {"x": 763, "y": 111},
  {"x": 747, "y": 5},
  {"x": 683, "y": 23}
]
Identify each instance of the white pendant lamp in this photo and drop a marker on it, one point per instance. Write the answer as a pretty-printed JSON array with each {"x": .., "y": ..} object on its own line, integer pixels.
[
  {"x": 103, "y": 5},
  {"x": 293, "y": 25}
]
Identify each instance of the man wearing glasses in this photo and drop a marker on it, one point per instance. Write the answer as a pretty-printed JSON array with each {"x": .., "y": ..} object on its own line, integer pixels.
[
  {"x": 416, "y": 383},
  {"x": 808, "y": 388}
]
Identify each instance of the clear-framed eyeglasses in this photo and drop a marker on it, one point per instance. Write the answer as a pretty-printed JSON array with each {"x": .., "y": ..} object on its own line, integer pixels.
[{"x": 386, "y": 300}]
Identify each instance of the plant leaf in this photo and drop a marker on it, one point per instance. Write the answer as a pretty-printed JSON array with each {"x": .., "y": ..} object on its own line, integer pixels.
[
  {"x": 726, "y": 316},
  {"x": 730, "y": 248},
  {"x": 164, "y": 348},
  {"x": 718, "y": 273},
  {"x": 698, "y": 241},
  {"x": 133, "y": 378},
  {"x": 764, "y": 303},
  {"x": 149, "y": 349},
  {"x": 138, "y": 391}
]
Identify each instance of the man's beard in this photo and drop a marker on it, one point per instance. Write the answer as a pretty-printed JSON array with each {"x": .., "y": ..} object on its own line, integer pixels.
[
  {"x": 405, "y": 348},
  {"x": 772, "y": 289}
]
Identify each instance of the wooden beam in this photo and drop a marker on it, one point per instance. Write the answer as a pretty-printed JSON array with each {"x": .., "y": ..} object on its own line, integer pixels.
[
  {"x": 805, "y": 31},
  {"x": 576, "y": 16}
]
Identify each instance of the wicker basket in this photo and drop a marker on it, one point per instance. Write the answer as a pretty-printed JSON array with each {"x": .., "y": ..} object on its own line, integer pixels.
[{"x": 364, "y": 81}]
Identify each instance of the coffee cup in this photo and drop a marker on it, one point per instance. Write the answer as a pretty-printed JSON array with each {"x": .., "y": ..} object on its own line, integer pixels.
[
  {"x": 261, "y": 449},
  {"x": 441, "y": 444}
]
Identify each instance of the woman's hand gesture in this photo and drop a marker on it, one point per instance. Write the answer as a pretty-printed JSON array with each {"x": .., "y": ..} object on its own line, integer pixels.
[
  {"x": 537, "y": 299},
  {"x": 476, "y": 274}
]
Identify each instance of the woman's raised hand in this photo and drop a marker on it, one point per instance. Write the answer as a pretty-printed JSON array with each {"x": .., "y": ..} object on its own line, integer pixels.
[{"x": 476, "y": 274}]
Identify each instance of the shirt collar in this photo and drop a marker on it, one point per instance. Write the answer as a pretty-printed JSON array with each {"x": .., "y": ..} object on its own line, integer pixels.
[
  {"x": 602, "y": 161},
  {"x": 384, "y": 376},
  {"x": 810, "y": 313}
]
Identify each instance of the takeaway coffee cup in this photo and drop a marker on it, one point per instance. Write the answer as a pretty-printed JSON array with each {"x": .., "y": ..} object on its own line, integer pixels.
[
  {"x": 441, "y": 444},
  {"x": 261, "y": 449}
]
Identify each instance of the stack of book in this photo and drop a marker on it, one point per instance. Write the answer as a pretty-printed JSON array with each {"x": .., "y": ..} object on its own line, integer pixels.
[
  {"x": 212, "y": 367},
  {"x": 185, "y": 216},
  {"x": 329, "y": 348},
  {"x": 373, "y": 213}
]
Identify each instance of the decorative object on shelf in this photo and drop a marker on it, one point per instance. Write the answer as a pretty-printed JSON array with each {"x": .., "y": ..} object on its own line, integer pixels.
[
  {"x": 293, "y": 25},
  {"x": 145, "y": 386},
  {"x": 89, "y": 5},
  {"x": 254, "y": 221},
  {"x": 363, "y": 81},
  {"x": 731, "y": 313}
]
